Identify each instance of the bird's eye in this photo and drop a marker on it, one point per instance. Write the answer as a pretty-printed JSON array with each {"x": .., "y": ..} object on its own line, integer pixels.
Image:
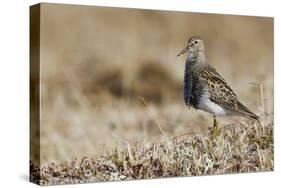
[{"x": 195, "y": 42}]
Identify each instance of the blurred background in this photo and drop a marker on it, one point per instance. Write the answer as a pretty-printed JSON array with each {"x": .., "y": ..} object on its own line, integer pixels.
[{"x": 110, "y": 75}]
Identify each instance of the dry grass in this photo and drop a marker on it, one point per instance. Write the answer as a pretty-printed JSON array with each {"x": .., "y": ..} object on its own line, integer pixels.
[{"x": 239, "y": 147}]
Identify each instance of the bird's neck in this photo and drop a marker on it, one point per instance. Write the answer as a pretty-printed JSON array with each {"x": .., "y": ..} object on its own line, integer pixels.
[
  {"x": 196, "y": 58},
  {"x": 201, "y": 57},
  {"x": 194, "y": 65}
]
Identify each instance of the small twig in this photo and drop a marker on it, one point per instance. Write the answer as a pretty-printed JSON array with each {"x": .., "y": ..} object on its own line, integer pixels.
[
  {"x": 261, "y": 95},
  {"x": 262, "y": 101},
  {"x": 128, "y": 145},
  {"x": 262, "y": 105},
  {"x": 144, "y": 133},
  {"x": 260, "y": 157},
  {"x": 154, "y": 117},
  {"x": 262, "y": 98}
]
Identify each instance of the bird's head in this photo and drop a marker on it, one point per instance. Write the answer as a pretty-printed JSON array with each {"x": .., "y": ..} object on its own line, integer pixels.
[{"x": 194, "y": 46}]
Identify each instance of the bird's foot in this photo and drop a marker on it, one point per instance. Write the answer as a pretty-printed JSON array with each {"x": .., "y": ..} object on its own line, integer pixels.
[{"x": 215, "y": 130}]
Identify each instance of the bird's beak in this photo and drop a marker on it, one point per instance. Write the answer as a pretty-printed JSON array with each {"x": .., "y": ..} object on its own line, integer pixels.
[{"x": 183, "y": 51}]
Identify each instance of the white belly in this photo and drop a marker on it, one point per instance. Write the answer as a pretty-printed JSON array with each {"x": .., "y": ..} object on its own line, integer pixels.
[{"x": 207, "y": 105}]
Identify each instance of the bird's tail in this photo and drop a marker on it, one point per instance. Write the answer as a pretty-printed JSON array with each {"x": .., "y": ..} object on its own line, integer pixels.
[
  {"x": 255, "y": 117},
  {"x": 246, "y": 112}
]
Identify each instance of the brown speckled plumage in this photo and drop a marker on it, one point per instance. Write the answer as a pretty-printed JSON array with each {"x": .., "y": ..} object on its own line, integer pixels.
[{"x": 205, "y": 89}]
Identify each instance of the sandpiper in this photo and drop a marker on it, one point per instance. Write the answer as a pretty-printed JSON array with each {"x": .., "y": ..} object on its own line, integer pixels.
[{"x": 205, "y": 89}]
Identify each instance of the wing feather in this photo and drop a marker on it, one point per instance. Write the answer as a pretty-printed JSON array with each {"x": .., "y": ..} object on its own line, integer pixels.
[{"x": 222, "y": 94}]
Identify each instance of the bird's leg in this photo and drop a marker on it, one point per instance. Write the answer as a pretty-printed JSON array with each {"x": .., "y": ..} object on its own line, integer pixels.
[
  {"x": 215, "y": 131},
  {"x": 215, "y": 122}
]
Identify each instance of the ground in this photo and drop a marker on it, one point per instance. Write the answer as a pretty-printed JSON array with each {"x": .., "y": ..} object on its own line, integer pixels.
[{"x": 235, "y": 148}]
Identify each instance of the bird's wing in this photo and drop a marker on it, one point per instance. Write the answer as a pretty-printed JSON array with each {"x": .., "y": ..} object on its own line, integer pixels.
[{"x": 222, "y": 94}]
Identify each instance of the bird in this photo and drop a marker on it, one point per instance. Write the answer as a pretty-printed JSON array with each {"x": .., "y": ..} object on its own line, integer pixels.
[{"x": 205, "y": 89}]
